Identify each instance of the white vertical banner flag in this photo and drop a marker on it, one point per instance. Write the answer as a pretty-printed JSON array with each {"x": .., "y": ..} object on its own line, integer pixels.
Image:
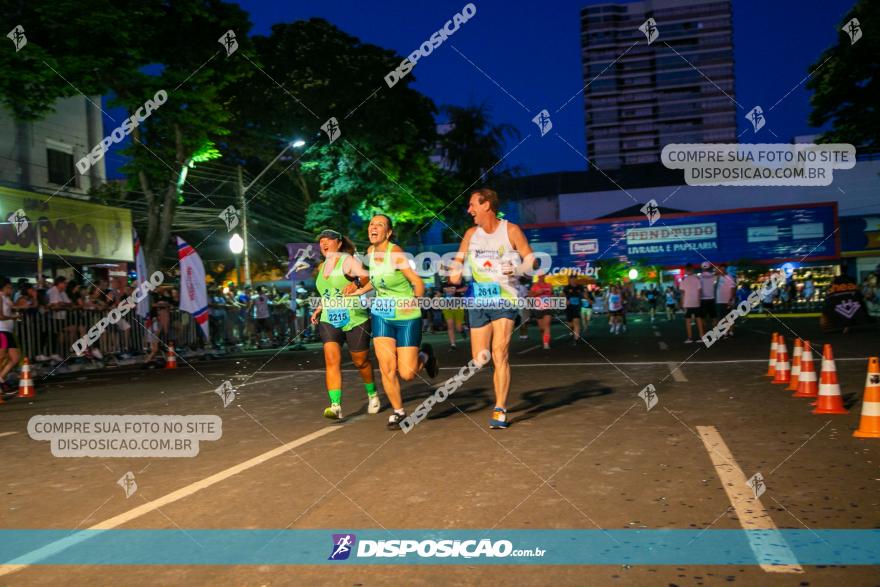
[
  {"x": 140, "y": 267},
  {"x": 193, "y": 287}
]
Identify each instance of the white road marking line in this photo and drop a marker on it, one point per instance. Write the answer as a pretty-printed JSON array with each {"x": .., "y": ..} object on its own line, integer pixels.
[
  {"x": 677, "y": 373},
  {"x": 663, "y": 346},
  {"x": 749, "y": 510},
  {"x": 531, "y": 348},
  {"x": 7, "y": 433},
  {"x": 125, "y": 517}
]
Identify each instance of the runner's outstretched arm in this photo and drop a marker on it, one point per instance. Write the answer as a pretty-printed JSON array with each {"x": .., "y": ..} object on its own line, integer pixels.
[{"x": 457, "y": 266}]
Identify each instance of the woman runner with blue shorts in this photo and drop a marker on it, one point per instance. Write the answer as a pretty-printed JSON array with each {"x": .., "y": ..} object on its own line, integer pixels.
[{"x": 396, "y": 317}]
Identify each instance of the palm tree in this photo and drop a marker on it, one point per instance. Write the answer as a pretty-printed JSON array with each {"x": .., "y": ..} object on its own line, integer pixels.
[{"x": 473, "y": 146}]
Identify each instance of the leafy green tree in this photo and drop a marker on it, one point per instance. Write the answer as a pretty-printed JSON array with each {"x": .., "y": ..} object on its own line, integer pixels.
[
  {"x": 472, "y": 151},
  {"x": 846, "y": 84},
  {"x": 309, "y": 71}
]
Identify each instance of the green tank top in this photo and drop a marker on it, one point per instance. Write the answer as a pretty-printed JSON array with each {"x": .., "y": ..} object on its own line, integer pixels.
[
  {"x": 343, "y": 312},
  {"x": 390, "y": 283}
]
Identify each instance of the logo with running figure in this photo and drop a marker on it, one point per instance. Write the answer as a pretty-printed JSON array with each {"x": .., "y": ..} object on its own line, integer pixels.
[{"x": 343, "y": 544}]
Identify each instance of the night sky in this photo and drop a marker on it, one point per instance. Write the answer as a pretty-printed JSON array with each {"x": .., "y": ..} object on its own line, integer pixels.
[{"x": 532, "y": 51}]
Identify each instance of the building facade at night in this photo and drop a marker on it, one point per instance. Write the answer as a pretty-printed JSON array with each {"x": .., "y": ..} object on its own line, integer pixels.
[{"x": 640, "y": 96}]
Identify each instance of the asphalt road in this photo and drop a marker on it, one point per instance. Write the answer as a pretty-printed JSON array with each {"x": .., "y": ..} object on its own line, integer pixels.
[{"x": 583, "y": 452}]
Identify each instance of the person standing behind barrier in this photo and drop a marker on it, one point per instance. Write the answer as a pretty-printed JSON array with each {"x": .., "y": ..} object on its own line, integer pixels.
[
  {"x": 259, "y": 307},
  {"x": 690, "y": 301},
  {"x": 59, "y": 302},
  {"x": 9, "y": 351}
]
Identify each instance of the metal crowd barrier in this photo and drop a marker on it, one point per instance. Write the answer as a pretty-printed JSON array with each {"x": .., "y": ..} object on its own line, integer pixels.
[{"x": 47, "y": 332}]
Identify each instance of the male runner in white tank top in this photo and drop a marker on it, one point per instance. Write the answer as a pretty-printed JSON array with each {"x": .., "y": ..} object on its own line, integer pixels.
[{"x": 496, "y": 251}]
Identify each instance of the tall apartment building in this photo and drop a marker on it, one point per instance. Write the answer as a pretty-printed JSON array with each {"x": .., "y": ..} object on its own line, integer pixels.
[{"x": 639, "y": 96}]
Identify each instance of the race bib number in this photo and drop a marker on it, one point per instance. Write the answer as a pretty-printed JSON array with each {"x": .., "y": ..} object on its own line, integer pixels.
[
  {"x": 574, "y": 301},
  {"x": 338, "y": 318},
  {"x": 383, "y": 308},
  {"x": 487, "y": 290}
]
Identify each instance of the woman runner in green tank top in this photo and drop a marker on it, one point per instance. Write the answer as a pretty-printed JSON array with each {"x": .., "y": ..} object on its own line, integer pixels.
[
  {"x": 341, "y": 319},
  {"x": 396, "y": 316}
]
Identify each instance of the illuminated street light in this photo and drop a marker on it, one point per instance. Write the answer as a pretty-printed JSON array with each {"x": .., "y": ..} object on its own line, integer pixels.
[{"x": 236, "y": 244}]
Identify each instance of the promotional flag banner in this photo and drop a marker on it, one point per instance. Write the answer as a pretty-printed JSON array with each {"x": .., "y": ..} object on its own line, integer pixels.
[
  {"x": 193, "y": 288},
  {"x": 140, "y": 267}
]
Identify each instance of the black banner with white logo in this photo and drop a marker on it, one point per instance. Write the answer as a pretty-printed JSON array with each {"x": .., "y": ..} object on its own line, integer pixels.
[{"x": 844, "y": 306}]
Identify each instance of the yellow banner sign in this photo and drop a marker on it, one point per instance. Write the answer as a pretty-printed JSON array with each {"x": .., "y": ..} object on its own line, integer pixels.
[{"x": 69, "y": 228}]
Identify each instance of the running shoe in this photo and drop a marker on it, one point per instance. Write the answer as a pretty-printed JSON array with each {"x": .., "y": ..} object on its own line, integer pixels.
[
  {"x": 452, "y": 347},
  {"x": 499, "y": 418},
  {"x": 394, "y": 420},
  {"x": 373, "y": 405},
  {"x": 56, "y": 357},
  {"x": 431, "y": 363},
  {"x": 523, "y": 337},
  {"x": 334, "y": 412},
  {"x": 546, "y": 346},
  {"x": 689, "y": 341},
  {"x": 42, "y": 358}
]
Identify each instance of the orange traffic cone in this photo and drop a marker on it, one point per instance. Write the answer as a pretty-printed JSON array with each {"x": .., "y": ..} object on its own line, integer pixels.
[
  {"x": 830, "y": 401},
  {"x": 26, "y": 384},
  {"x": 171, "y": 357},
  {"x": 771, "y": 365},
  {"x": 783, "y": 368},
  {"x": 807, "y": 386},
  {"x": 795, "y": 365},
  {"x": 869, "y": 426}
]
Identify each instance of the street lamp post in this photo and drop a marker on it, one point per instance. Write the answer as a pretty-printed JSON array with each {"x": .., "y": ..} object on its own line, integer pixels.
[
  {"x": 236, "y": 245},
  {"x": 242, "y": 203}
]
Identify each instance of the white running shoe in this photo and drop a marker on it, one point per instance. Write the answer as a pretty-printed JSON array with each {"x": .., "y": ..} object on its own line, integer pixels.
[
  {"x": 546, "y": 347},
  {"x": 334, "y": 412},
  {"x": 373, "y": 406},
  {"x": 42, "y": 358},
  {"x": 56, "y": 357}
]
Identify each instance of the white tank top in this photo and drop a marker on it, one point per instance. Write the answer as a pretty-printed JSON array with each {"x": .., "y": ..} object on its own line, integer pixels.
[
  {"x": 486, "y": 252},
  {"x": 6, "y": 325}
]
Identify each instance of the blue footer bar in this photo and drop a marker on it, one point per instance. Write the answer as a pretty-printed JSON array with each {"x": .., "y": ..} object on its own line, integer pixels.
[{"x": 440, "y": 547}]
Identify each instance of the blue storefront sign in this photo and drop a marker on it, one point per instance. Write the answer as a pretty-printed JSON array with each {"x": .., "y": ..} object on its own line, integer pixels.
[{"x": 777, "y": 234}]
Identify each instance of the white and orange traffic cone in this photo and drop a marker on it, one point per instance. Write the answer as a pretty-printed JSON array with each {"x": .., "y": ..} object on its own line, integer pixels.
[
  {"x": 783, "y": 367},
  {"x": 869, "y": 425},
  {"x": 830, "y": 400},
  {"x": 771, "y": 365},
  {"x": 807, "y": 381},
  {"x": 171, "y": 357},
  {"x": 795, "y": 365},
  {"x": 26, "y": 384}
]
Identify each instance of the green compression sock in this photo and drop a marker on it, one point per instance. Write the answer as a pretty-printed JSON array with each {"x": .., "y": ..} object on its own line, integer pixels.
[
  {"x": 371, "y": 389},
  {"x": 335, "y": 396}
]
